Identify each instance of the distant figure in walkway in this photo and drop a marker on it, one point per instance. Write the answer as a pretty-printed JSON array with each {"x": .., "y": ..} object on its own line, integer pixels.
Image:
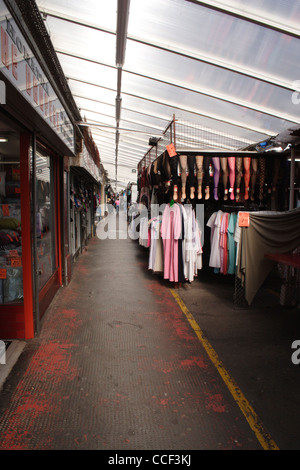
[{"x": 117, "y": 203}]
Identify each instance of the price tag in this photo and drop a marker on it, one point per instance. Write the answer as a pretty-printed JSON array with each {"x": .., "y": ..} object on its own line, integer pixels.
[
  {"x": 16, "y": 262},
  {"x": 171, "y": 150},
  {"x": 13, "y": 253},
  {"x": 244, "y": 219},
  {"x": 2, "y": 273}
]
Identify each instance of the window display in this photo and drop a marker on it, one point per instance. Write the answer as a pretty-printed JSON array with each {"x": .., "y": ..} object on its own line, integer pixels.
[
  {"x": 45, "y": 216},
  {"x": 11, "y": 275}
]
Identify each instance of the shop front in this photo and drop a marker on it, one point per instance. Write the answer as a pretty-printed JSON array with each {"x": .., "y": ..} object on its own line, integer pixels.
[
  {"x": 85, "y": 186},
  {"x": 36, "y": 133}
]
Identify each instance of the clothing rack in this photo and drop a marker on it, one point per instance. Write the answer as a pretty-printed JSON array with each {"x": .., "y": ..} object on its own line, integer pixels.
[{"x": 229, "y": 208}]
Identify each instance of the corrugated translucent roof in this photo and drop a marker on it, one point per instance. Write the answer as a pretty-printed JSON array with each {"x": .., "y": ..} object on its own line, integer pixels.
[{"x": 227, "y": 66}]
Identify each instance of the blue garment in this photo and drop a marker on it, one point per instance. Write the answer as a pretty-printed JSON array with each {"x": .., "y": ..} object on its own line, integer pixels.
[{"x": 231, "y": 244}]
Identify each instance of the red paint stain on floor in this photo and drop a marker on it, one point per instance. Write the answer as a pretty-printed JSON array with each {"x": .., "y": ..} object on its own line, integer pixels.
[
  {"x": 171, "y": 312},
  {"x": 53, "y": 362},
  {"x": 37, "y": 395},
  {"x": 162, "y": 366},
  {"x": 192, "y": 362},
  {"x": 215, "y": 403},
  {"x": 65, "y": 320}
]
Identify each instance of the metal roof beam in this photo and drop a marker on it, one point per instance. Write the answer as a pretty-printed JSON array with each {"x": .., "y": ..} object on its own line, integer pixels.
[
  {"x": 250, "y": 17},
  {"x": 221, "y": 97},
  {"x": 71, "y": 19},
  {"x": 192, "y": 112},
  {"x": 165, "y": 119},
  {"x": 216, "y": 62},
  {"x": 244, "y": 104},
  {"x": 200, "y": 58}
]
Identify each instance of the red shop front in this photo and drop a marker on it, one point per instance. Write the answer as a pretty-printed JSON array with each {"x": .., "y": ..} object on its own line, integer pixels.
[{"x": 36, "y": 132}]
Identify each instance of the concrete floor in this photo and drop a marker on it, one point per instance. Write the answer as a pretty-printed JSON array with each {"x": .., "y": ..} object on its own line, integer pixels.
[{"x": 118, "y": 366}]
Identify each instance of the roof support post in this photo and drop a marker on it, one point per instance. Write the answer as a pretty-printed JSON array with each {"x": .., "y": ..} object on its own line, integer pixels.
[
  {"x": 292, "y": 179},
  {"x": 122, "y": 25}
]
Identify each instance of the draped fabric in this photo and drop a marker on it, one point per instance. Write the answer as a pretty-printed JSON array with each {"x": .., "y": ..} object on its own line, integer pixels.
[{"x": 269, "y": 232}]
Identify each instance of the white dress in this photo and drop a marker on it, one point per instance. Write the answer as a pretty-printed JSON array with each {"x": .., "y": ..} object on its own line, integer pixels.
[
  {"x": 156, "y": 263},
  {"x": 214, "y": 223},
  {"x": 192, "y": 249}
]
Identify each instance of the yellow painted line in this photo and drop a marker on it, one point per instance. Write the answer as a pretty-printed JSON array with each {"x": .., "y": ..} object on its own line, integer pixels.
[{"x": 253, "y": 420}]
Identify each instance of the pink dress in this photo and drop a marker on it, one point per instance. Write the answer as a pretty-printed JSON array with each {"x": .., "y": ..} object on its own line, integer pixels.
[
  {"x": 170, "y": 232},
  {"x": 224, "y": 244}
]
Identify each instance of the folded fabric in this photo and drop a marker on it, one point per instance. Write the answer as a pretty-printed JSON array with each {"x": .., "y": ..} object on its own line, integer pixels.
[
  {"x": 9, "y": 236},
  {"x": 10, "y": 210},
  {"x": 9, "y": 223}
]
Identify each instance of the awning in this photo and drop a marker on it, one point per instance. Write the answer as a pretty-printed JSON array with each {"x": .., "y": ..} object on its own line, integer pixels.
[{"x": 228, "y": 67}]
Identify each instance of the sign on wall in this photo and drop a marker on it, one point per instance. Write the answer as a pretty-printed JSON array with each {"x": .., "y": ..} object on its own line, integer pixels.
[{"x": 21, "y": 68}]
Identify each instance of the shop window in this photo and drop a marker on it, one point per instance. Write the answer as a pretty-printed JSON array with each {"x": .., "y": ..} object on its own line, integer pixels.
[
  {"x": 45, "y": 218},
  {"x": 11, "y": 275}
]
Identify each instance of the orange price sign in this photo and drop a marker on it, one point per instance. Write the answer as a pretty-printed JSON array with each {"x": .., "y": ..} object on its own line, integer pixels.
[
  {"x": 244, "y": 219},
  {"x": 2, "y": 273},
  {"x": 171, "y": 150},
  {"x": 16, "y": 262}
]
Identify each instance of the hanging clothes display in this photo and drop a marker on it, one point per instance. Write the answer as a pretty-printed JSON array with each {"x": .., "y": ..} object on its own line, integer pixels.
[
  {"x": 178, "y": 252},
  {"x": 224, "y": 241}
]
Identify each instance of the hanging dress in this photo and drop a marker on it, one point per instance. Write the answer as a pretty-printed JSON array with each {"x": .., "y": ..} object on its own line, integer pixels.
[
  {"x": 231, "y": 244},
  {"x": 156, "y": 247},
  {"x": 214, "y": 223},
  {"x": 224, "y": 244},
  {"x": 171, "y": 228}
]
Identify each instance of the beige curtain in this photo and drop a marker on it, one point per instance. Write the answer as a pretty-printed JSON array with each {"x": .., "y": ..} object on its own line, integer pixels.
[{"x": 269, "y": 232}]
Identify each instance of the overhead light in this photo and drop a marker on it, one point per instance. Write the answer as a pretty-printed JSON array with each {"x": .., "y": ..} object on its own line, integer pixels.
[
  {"x": 275, "y": 149},
  {"x": 122, "y": 23},
  {"x": 3, "y": 139},
  {"x": 118, "y": 108}
]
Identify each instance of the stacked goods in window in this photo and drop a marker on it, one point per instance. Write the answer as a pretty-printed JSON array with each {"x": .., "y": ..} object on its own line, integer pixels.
[{"x": 11, "y": 276}]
